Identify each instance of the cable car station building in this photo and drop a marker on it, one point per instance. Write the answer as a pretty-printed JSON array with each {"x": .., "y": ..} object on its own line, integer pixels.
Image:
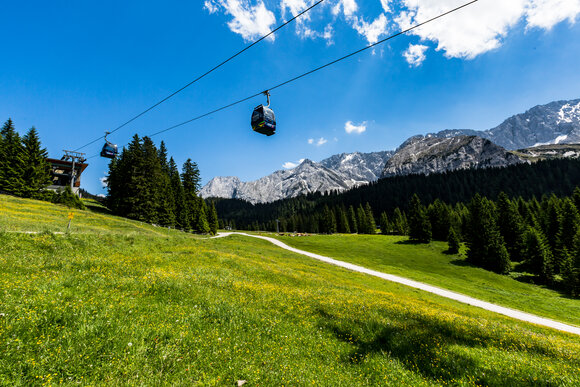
[{"x": 66, "y": 172}]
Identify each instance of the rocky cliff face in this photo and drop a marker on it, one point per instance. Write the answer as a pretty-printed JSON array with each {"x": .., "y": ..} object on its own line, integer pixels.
[
  {"x": 339, "y": 172},
  {"x": 425, "y": 155},
  {"x": 554, "y": 123}
]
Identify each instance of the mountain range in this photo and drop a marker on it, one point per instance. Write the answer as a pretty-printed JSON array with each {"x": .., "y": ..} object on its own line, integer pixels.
[{"x": 518, "y": 139}]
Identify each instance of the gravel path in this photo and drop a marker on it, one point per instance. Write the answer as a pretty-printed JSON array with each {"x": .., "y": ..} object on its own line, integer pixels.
[{"x": 519, "y": 315}]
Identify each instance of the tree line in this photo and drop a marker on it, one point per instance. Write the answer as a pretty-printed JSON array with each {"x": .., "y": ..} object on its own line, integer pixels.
[
  {"x": 24, "y": 169},
  {"x": 144, "y": 185},
  {"x": 558, "y": 176}
]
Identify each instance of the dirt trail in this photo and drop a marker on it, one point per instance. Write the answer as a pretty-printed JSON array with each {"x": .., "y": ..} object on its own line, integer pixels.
[{"x": 519, "y": 315}]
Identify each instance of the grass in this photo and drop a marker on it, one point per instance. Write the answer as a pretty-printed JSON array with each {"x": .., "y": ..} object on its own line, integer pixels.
[
  {"x": 428, "y": 263},
  {"x": 117, "y": 302}
]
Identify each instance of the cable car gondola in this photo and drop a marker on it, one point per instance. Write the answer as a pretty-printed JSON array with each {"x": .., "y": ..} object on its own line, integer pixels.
[
  {"x": 109, "y": 150},
  {"x": 263, "y": 118}
]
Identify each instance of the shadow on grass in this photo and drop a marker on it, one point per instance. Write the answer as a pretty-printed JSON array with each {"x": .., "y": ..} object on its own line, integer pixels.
[
  {"x": 431, "y": 347},
  {"x": 462, "y": 262},
  {"x": 410, "y": 242},
  {"x": 99, "y": 209}
]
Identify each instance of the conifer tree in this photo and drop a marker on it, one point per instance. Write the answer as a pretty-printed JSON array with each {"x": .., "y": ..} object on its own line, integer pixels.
[
  {"x": 538, "y": 254},
  {"x": 181, "y": 211},
  {"x": 569, "y": 225},
  {"x": 36, "y": 173},
  {"x": 439, "y": 217},
  {"x": 12, "y": 158},
  {"x": 190, "y": 179},
  {"x": 453, "y": 243},
  {"x": 485, "y": 245},
  {"x": 419, "y": 225},
  {"x": 342, "y": 225},
  {"x": 213, "y": 219},
  {"x": 371, "y": 226},
  {"x": 352, "y": 222},
  {"x": 571, "y": 272},
  {"x": 400, "y": 222},
  {"x": 361, "y": 221},
  {"x": 385, "y": 226},
  {"x": 511, "y": 226}
]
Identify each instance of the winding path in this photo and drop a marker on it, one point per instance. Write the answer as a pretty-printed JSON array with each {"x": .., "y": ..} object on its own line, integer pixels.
[{"x": 516, "y": 314}]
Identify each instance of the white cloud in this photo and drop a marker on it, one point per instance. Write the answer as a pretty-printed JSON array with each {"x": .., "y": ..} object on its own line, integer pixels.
[
  {"x": 415, "y": 54},
  {"x": 290, "y": 164},
  {"x": 371, "y": 31},
  {"x": 547, "y": 13},
  {"x": 482, "y": 26},
  {"x": 251, "y": 21},
  {"x": 321, "y": 141},
  {"x": 385, "y": 4},
  {"x": 349, "y": 127},
  {"x": 104, "y": 182},
  {"x": 349, "y": 7},
  {"x": 210, "y": 6}
]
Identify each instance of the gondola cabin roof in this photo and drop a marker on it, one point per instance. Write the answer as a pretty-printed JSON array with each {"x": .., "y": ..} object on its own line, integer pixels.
[
  {"x": 109, "y": 150},
  {"x": 264, "y": 120}
]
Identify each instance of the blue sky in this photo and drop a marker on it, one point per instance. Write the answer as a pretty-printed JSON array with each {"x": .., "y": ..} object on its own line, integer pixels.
[{"x": 76, "y": 69}]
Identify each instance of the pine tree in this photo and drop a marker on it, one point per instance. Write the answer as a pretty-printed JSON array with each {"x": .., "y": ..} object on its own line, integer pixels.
[
  {"x": 352, "y": 222},
  {"x": 213, "y": 219},
  {"x": 36, "y": 175},
  {"x": 361, "y": 221},
  {"x": 419, "y": 225},
  {"x": 191, "y": 183},
  {"x": 400, "y": 222},
  {"x": 12, "y": 158},
  {"x": 181, "y": 212},
  {"x": 385, "y": 226},
  {"x": 342, "y": 225},
  {"x": 569, "y": 225},
  {"x": 453, "y": 241},
  {"x": 485, "y": 245},
  {"x": 538, "y": 254},
  {"x": 371, "y": 226},
  {"x": 511, "y": 226},
  {"x": 571, "y": 272},
  {"x": 438, "y": 213}
]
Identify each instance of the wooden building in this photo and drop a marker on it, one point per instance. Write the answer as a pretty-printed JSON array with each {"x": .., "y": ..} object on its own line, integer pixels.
[{"x": 62, "y": 173}]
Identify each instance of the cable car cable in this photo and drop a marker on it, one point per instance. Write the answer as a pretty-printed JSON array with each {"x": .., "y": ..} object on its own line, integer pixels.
[
  {"x": 315, "y": 70},
  {"x": 312, "y": 71},
  {"x": 206, "y": 73}
]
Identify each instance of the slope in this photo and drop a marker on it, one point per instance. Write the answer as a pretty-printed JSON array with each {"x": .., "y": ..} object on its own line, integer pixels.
[{"x": 152, "y": 306}]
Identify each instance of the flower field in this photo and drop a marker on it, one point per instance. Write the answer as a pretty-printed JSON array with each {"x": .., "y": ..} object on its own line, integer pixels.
[{"x": 118, "y": 302}]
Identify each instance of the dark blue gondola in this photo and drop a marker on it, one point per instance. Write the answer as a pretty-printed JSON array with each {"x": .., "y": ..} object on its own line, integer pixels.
[
  {"x": 109, "y": 150},
  {"x": 263, "y": 119}
]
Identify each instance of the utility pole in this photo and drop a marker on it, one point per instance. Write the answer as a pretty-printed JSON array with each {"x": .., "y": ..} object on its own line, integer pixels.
[
  {"x": 277, "y": 226},
  {"x": 75, "y": 157}
]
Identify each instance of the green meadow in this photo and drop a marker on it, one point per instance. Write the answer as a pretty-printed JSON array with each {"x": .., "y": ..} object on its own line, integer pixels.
[
  {"x": 119, "y": 302},
  {"x": 428, "y": 263}
]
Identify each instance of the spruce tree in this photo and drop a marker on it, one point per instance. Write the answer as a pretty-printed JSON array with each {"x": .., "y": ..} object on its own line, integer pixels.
[
  {"x": 352, "y": 222},
  {"x": 453, "y": 243},
  {"x": 419, "y": 225},
  {"x": 571, "y": 272},
  {"x": 12, "y": 157},
  {"x": 361, "y": 220},
  {"x": 191, "y": 184},
  {"x": 181, "y": 212},
  {"x": 511, "y": 226},
  {"x": 371, "y": 226},
  {"x": 538, "y": 255},
  {"x": 342, "y": 225},
  {"x": 36, "y": 173},
  {"x": 438, "y": 213},
  {"x": 385, "y": 226},
  {"x": 400, "y": 222},
  {"x": 485, "y": 245},
  {"x": 569, "y": 225}
]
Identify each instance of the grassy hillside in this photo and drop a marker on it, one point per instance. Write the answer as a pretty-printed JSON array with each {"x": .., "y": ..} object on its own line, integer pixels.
[
  {"x": 428, "y": 263},
  {"x": 118, "y": 302}
]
